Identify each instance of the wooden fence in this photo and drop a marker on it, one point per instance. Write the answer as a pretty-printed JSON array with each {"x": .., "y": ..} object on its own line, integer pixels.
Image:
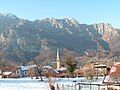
[{"x": 86, "y": 86}]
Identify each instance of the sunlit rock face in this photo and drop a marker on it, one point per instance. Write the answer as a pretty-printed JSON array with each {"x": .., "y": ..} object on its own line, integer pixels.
[{"x": 23, "y": 40}]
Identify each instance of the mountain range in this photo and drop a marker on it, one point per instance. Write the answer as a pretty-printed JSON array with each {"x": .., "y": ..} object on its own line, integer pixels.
[{"x": 23, "y": 40}]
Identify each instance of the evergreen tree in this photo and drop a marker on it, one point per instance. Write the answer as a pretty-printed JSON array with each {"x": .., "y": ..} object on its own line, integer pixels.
[{"x": 70, "y": 65}]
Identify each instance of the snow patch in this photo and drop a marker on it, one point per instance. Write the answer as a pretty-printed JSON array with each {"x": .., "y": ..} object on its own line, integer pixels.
[{"x": 8, "y": 15}]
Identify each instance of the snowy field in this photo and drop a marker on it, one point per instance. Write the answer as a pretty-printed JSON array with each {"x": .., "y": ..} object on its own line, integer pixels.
[{"x": 36, "y": 84}]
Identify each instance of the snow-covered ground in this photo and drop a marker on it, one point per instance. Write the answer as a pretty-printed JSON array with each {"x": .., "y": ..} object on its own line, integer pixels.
[{"x": 36, "y": 84}]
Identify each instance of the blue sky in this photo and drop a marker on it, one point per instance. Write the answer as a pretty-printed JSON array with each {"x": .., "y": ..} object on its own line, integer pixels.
[{"x": 85, "y": 11}]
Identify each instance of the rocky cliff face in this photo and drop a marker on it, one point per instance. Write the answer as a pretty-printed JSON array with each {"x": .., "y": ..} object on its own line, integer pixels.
[
  {"x": 107, "y": 31},
  {"x": 23, "y": 40}
]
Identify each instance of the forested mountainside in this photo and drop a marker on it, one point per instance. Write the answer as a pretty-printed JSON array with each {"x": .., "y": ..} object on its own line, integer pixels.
[{"x": 24, "y": 40}]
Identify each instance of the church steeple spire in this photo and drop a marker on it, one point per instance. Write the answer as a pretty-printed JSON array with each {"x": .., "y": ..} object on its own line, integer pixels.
[
  {"x": 58, "y": 59},
  {"x": 57, "y": 54}
]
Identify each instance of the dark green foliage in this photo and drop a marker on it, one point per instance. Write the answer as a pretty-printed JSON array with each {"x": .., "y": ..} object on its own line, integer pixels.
[{"x": 71, "y": 65}]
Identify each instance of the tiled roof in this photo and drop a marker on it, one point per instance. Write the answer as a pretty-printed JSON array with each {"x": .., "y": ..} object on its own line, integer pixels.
[
  {"x": 8, "y": 69},
  {"x": 115, "y": 70}
]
